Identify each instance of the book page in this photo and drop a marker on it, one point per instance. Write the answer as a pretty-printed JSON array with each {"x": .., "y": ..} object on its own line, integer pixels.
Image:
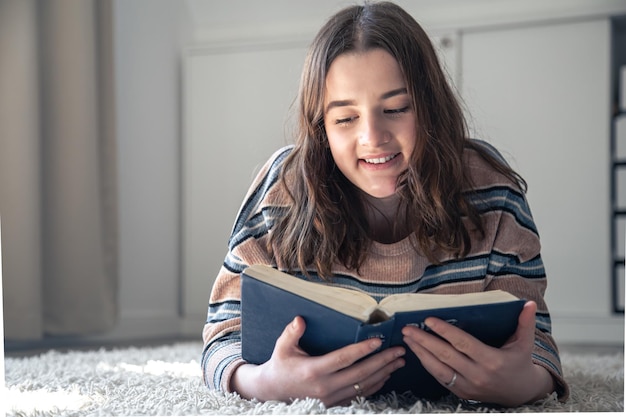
[
  {"x": 347, "y": 301},
  {"x": 416, "y": 301}
]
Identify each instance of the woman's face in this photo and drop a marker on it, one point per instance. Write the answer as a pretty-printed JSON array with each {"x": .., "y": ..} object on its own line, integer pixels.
[{"x": 369, "y": 119}]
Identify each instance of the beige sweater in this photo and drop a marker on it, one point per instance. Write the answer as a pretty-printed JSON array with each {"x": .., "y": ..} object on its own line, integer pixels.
[{"x": 508, "y": 257}]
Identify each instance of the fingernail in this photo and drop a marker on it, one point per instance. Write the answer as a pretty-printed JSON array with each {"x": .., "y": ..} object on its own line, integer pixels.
[{"x": 375, "y": 343}]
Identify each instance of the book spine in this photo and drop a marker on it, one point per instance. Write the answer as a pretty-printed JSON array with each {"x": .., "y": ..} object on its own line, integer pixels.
[{"x": 382, "y": 330}]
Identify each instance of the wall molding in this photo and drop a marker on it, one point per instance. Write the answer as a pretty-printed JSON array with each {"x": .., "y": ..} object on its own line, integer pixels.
[
  {"x": 588, "y": 330},
  {"x": 435, "y": 17},
  {"x": 567, "y": 329}
]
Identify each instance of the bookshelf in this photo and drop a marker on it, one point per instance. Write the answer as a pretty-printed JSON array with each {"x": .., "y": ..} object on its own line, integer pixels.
[{"x": 618, "y": 162}]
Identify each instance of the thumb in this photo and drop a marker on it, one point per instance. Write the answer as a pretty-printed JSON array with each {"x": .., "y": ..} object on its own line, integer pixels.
[
  {"x": 288, "y": 340},
  {"x": 525, "y": 333}
]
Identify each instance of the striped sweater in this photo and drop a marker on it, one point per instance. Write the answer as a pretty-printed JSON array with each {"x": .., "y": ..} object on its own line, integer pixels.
[{"x": 507, "y": 257}]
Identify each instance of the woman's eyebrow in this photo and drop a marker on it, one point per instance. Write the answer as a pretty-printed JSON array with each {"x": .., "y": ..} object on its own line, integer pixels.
[
  {"x": 396, "y": 92},
  {"x": 338, "y": 103}
]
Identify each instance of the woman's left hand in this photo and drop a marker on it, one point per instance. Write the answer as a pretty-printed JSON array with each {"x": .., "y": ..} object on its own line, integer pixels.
[{"x": 475, "y": 371}]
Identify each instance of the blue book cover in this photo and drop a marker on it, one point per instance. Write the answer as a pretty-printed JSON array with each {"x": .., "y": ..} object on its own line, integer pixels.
[{"x": 336, "y": 317}]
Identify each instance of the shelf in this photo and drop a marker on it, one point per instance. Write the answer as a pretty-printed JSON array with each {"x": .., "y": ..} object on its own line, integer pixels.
[{"x": 618, "y": 163}]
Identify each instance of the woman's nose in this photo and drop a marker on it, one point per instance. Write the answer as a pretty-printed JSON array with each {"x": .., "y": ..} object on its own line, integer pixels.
[{"x": 373, "y": 132}]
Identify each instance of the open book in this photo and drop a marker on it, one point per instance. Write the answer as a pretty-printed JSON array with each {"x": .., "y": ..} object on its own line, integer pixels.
[
  {"x": 336, "y": 317},
  {"x": 365, "y": 308}
]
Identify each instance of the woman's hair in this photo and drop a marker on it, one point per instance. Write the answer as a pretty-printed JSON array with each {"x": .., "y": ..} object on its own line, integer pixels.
[{"x": 326, "y": 222}]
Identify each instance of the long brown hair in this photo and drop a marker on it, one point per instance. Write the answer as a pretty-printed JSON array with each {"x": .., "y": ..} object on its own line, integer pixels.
[{"x": 326, "y": 222}]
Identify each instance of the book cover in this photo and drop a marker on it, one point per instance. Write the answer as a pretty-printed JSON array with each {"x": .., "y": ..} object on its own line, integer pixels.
[{"x": 267, "y": 308}]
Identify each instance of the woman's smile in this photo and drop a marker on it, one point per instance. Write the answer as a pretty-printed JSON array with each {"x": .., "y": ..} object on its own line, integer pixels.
[{"x": 380, "y": 162}]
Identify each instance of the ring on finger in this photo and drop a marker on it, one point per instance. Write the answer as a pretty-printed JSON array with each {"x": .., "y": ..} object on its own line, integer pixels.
[{"x": 358, "y": 389}]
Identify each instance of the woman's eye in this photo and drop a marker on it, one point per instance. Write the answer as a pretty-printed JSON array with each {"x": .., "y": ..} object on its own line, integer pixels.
[
  {"x": 394, "y": 112},
  {"x": 345, "y": 121}
]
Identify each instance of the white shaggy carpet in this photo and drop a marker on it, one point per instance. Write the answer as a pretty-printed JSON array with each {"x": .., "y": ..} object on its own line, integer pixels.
[{"x": 166, "y": 381}]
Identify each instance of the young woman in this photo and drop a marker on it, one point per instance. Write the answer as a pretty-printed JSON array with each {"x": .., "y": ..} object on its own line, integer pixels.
[{"x": 384, "y": 192}]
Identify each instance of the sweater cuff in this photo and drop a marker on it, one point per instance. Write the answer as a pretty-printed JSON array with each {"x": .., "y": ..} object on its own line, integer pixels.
[
  {"x": 228, "y": 373},
  {"x": 561, "y": 388},
  {"x": 219, "y": 364}
]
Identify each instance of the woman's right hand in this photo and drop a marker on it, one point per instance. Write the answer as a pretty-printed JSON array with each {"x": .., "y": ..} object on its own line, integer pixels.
[{"x": 335, "y": 378}]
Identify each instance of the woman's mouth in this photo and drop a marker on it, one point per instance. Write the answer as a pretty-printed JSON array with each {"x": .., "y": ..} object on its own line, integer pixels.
[{"x": 382, "y": 160}]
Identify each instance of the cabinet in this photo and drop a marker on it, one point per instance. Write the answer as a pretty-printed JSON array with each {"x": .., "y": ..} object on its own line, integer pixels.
[
  {"x": 540, "y": 93},
  {"x": 236, "y": 114}
]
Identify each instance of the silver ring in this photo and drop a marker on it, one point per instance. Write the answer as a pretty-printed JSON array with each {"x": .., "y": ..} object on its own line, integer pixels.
[
  {"x": 358, "y": 389},
  {"x": 451, "y": 383}
]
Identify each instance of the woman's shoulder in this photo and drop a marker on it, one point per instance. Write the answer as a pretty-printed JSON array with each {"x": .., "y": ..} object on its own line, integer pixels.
[
  {"x": 480, "y": 158},
  {"x": 268, "y": 173},
  {"x": 276, "y": 160},
  {"x": 487, "y": 147},
  {"x": 265, "y": 183},
  {"x": 264, "y": 194}
]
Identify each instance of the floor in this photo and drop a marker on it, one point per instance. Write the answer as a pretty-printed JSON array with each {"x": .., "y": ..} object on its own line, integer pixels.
[{"x": 23, "y": 349}]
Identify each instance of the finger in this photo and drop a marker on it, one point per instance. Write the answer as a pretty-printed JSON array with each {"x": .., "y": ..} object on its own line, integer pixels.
[
  {"x": 526, "y": 324},
  {"x": 458, "y": 340},
  {"x": 342, "y": 358},
  {"x": 427, "y": 348},
  {"x": 363, "y": 389},
  {"x": 375, "y": 368},
  {"x": 369, "y": 376},
  {"x": 527, "y": 318},
  {"x": 288, "y": 342},
  {"x": 365, "y": 377}
]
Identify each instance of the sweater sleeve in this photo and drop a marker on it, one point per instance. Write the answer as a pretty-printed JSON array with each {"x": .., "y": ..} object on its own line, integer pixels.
[
  {"x": 516, "y": 266},
  {"x": 221, "y": 334},
  {"x": 515, "y": 262}
]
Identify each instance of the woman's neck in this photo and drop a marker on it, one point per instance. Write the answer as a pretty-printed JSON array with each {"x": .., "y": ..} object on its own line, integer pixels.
[{"x": 385, "y": 226}]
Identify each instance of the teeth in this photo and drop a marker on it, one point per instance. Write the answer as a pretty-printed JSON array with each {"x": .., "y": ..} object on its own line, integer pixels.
[{"x": 380, "y": 160}]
